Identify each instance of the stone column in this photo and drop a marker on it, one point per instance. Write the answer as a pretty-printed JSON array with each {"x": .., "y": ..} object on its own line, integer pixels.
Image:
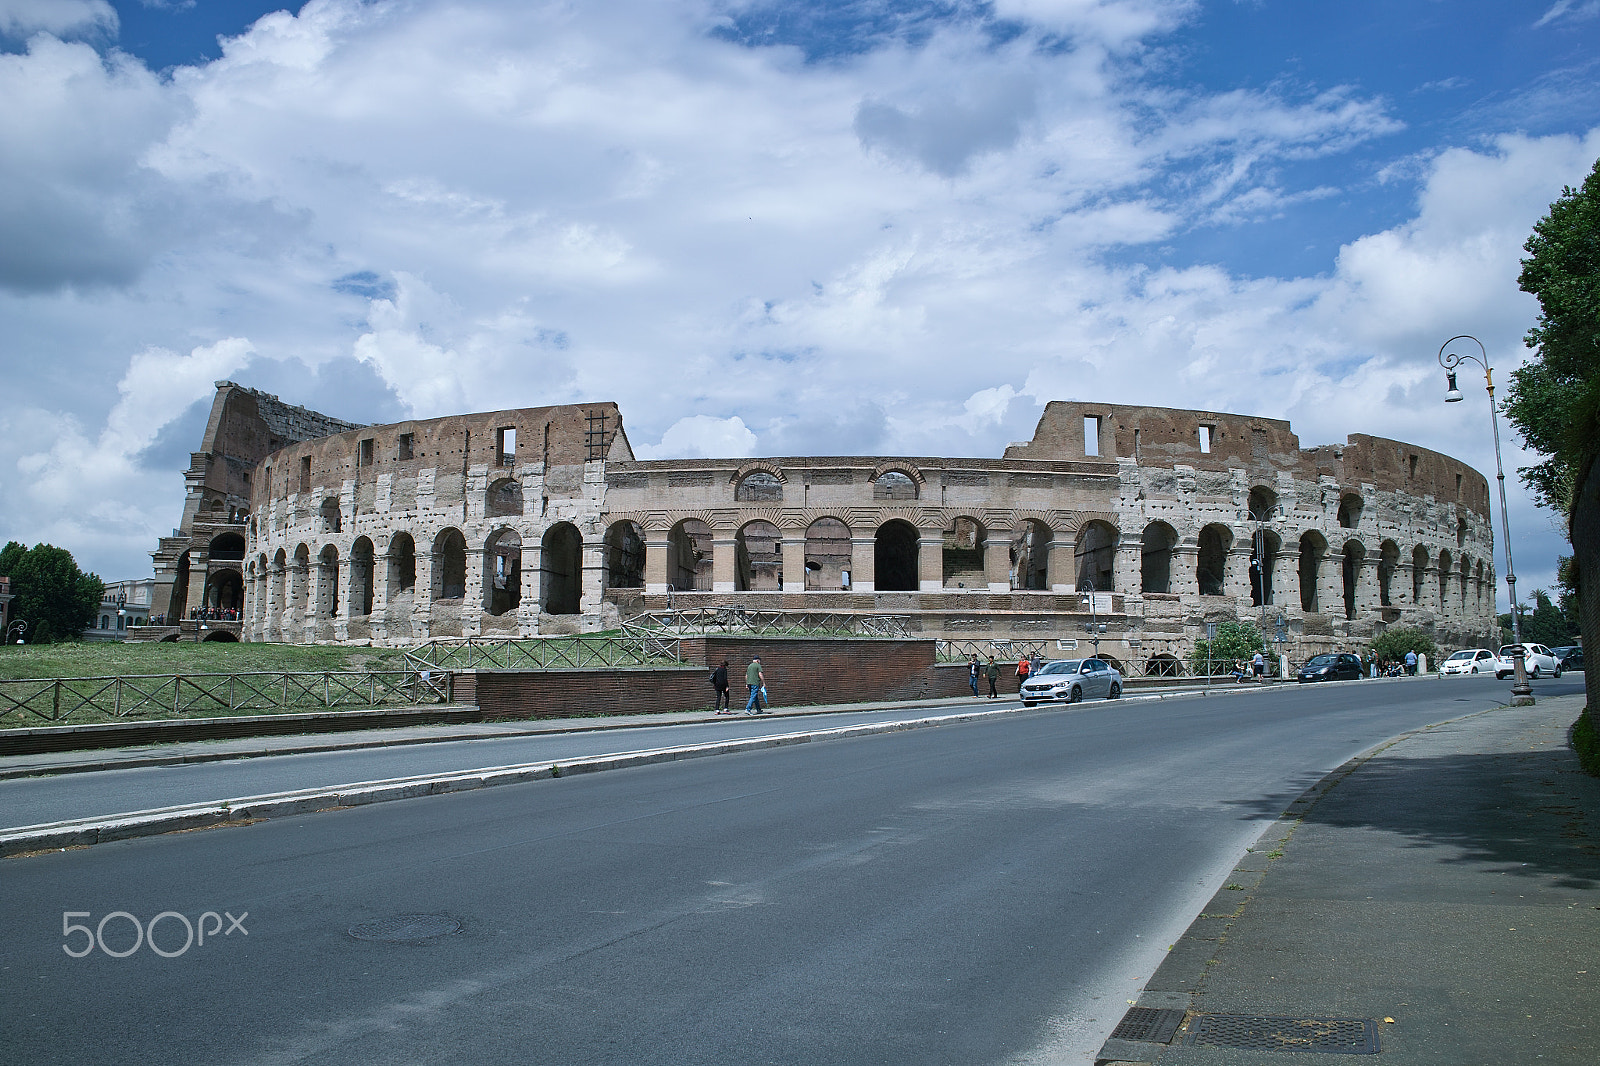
[
  {"x": 341, "y": 609},
  {"x": 472, "y": 607},
  {"x": 1185, "y": 566},
  {"x": 863, "y": 562},
  {"x": 1127, "y": 565},
  {"x": 930, "y": 561},
  {"x": 422, "y": 598},
  {"x": 724, "y": 560},
  {"x": 1330, "y": 582},
  {"x": 1236, "y": 578},
  {"x": 1400, "y": 587},
  {"x": 1286, "y": 579},
  {"x": 299, "y": 603},
  {"x": 199, "y": 571},
  {"x": 1369, "y": 593},
  {"x": 528, "y": 591},
  {"x": 655, "y": 562},
  {"x": 593, "y": 588},
  {"x": 794, "y": 560},
  {"x": 997, "y": 562}
]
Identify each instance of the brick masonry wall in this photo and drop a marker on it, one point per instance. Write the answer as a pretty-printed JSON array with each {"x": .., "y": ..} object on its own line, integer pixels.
[{"x": 798, "y": 672}]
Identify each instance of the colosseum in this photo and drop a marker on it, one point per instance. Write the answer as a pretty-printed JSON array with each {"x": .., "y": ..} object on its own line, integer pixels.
[{"x": 1149, "y": 522}]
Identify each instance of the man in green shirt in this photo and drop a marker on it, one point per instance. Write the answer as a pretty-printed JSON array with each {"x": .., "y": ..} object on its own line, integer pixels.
[{"x": 757, "y": 681}]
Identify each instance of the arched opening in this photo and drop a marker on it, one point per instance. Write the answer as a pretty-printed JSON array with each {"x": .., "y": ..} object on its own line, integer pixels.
[
  {"x": 1445, "y": 563},
  {"x": 1477, "y": 590},
  {"x": 332, "y": 518},
  {"x": 894, "y": 485},
  {"x": 895, "y": 569},
  {"x": 963, "y": 555},
  {"x": 1349, "y": 511},
  {"x": 178, "y": 605},
  {"x": 226, "y": 547},
  {"x": 502, "y": 572},
  {"x": 760, "y": 486},
  {"x": 1264, "y": 545},
  {"x": 1094, "y": 557},
  {"x": 361, "y": 553},
  {"x": 1419, "y": 573},
  {"x": 1162, "y": 665},
  {"x": 1466, "y": 576},
  {"x": 1155, "y": 557},
  {"x": 504, "y": 499},
  {"x": 1312, "y": 550},
  {"x": 1263, "y": 502},
  {"x": 561, "y": 570},
  {"x": 1388, "y": 560},
  {"x": 1211, "y": 566},
  {"x": 224, "y": 590},
  {"x": 1461, "y": 531},
  {"x": 827, "y": 553},
  {"x": 219, "y": 636},
  {"x": 449, "y": 565},
  {"x": 1030, "y": 555},
  {"x": 402, "y": 564},
  {"x": 689, "y": 556},
  {"x": 624, "y": 556},
  {"x": 758, "y": 557},
  {"x": 300, "y": 577},
  {"x": 328, "y": 582},
  {"x": 1353, "y": 554}
]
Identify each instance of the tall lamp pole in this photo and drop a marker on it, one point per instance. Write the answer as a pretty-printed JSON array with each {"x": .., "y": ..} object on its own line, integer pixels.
[{"x": 1451, "y": 360}]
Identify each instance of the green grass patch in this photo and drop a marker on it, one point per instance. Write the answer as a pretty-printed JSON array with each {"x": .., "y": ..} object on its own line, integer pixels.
[
  {"x": 1586, "y": 742},
  {"x": 212, "y": 657}
]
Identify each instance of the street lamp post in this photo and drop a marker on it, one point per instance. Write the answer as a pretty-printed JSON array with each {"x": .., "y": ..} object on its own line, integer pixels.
[
  {"x": 17, "y": 629},
  {"x": 1450, "y": 360}
]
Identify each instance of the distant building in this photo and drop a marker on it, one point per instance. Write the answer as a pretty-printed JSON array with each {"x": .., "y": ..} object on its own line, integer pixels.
[
  {"x": 124, "y": 605},
  {"x": 6, "y": 596}
]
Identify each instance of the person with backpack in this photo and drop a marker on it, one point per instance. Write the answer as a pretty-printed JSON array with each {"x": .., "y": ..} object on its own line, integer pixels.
[{"x": 719, "y": 681}]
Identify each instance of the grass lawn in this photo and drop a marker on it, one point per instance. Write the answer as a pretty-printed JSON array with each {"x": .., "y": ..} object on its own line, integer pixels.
[{"x": 214, "y": 657}]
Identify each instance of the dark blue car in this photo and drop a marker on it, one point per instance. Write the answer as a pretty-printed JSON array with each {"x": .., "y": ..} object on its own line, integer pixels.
[{"x": 1338, "y": 666}]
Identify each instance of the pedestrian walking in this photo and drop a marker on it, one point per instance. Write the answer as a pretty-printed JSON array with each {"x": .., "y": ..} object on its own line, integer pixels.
[
  {"x": 1024, "y": 668},
  {"x": 757, "y": 682},
  {"x": 1411, "y": 664},
  {"x": 719, "y": 681},
  {"x": 992, "y": 671},
  {"x": 973, "y": 669},
  {"x": 1258, "y": 665}
]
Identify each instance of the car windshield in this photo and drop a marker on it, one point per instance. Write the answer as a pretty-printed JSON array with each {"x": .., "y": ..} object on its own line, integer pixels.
[
  {"x": 1505, "y": 652},
  {"x": 1060, "y": 666},
  {"x": 1323, "y": 660},
  {"x": 1463, "y": 655}
]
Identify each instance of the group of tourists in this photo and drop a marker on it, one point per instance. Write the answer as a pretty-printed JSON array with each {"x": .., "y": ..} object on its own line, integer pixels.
[{"x": 755, "y": 680}]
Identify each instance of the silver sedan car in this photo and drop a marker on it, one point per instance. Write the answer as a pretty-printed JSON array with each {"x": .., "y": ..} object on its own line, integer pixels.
[{"x": 1071, "y": 680}]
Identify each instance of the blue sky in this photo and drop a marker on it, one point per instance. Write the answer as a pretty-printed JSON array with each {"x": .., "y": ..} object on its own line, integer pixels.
[{"x": 762, "y": 228}]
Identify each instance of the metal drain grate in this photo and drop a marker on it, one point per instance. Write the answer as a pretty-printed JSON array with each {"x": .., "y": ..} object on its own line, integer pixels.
[
  {"x": 1256, "y": 1032},
  {"x": 406, "y": 928},
  {"x": 1154, "y": 1025}
]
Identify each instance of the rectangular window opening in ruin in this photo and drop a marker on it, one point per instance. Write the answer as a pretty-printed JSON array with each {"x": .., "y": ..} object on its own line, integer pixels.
[
  {"x": 364, "y": 452},
  {"x": 505, "y": 444},
  {"x": 1458, "y": 486},
  {"x": 403, "y": 449},
  {"x": 1091, "y": 435},
  {"x": 1205, "y": 437},
  {"x": 1136, "y": 450},
  {"x": 305, "y": 473},
  {"x": 1413, "y": 466}
]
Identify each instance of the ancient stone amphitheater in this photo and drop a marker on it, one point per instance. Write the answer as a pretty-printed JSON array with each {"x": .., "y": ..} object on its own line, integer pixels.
[{"x": 1149, "y": 521}]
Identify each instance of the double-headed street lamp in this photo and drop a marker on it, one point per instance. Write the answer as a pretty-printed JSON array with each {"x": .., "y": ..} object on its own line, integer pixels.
[
  {"x": 16, "y": 629},
  {"x": 1450, "y": 361}
]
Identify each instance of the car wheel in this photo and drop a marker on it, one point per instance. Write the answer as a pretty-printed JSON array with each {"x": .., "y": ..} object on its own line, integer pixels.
[
  {"x": 1075, "y": 695},
  {"x": 1498, "y": 676},
  {"x": 1474, "y": 669},
  {"x": 1027, "y": 703},
  {"x": 1116, "y": 691},
  {"x": 1535, "y": 673},
  {"x": 1557, "y": 674}
]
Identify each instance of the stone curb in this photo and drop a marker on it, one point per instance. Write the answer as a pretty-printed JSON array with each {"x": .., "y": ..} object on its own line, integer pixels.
[{"x": 1181, "y": 975}]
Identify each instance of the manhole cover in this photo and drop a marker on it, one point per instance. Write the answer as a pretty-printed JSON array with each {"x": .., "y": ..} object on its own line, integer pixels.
[
  {"x": 406, "y": 928},
  {"x": 1155, "y": 1025},
  {"x": 1256, "y": 1032}
]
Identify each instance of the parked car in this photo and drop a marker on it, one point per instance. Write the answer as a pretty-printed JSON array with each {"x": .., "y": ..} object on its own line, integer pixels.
[
  {"x": 1071, "y": 680},
  {"x": 1331, "y": 667},
  {"x": 1468, "y": 661},
  {"x": 1537, "y": 662},
  {"x": 1570, "y": 657}
]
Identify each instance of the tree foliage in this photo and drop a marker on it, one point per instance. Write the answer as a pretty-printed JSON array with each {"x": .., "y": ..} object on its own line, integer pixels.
[
  {"x": 1392, "y": 644},
  {"x": 1235, "y": 640},
  {"x": 55, "y": 598}
]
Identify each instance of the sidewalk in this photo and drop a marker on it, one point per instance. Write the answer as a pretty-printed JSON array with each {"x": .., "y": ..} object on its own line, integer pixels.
[{"x": 1436, "y": 901}]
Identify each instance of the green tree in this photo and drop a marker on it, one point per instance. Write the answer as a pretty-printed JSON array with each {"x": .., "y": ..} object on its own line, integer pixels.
[
  {"x": 1392, "y": 644},
  {"x": 1545, "y": 624},
  {"x": 1554, "y": 399},
  {"x": 1235, "y": 640},
  {"x": 53, "y": 596}
]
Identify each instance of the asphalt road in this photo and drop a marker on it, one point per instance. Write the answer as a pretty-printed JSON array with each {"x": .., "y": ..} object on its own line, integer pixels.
[{"x": 983, "y": 893}]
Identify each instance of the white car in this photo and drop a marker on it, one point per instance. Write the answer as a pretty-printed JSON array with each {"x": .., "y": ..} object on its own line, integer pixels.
[
  {"x": 1469, "y": 661},
  {"x": 1539, "y": 661},
  {"x": 1070, "y": 680}
]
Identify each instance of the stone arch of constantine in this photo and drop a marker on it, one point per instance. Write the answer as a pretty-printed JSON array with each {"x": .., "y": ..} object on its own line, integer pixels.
[{"x": 541, "y": 520}]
